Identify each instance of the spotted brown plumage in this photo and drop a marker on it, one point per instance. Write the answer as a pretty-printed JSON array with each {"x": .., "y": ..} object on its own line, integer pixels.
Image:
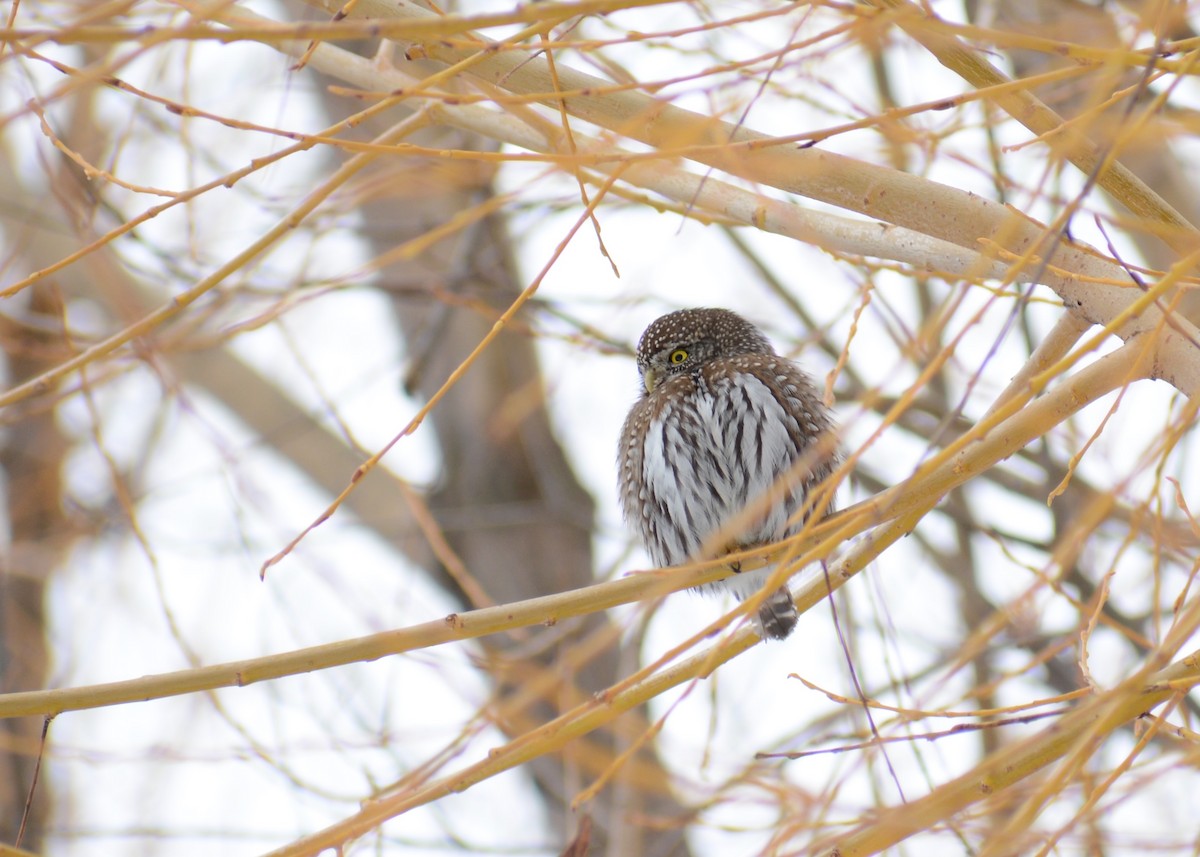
[{"x": 723, "y": 426}]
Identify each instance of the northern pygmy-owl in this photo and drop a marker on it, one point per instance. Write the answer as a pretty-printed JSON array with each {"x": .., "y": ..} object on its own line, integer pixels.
[{"x": 723, "y": 423}]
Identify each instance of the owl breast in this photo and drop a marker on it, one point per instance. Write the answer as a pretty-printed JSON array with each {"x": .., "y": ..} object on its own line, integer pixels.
[{"x": 716, "y": 467}]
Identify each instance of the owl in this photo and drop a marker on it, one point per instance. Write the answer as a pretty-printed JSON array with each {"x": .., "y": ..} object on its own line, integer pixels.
[{"x": 722, "y": 424}]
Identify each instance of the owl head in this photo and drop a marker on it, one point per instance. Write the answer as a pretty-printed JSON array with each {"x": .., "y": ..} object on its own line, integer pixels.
[{"x": 682, "y": 341}]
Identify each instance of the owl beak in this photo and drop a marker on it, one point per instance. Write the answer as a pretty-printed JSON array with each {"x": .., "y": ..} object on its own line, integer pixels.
[{"x": 649, "y": 379}]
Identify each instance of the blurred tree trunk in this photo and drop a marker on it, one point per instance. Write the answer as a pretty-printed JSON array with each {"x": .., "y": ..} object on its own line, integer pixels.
[
  {"x": 508, "y": 502},
  {"x": 31, "y": 463},
  {"x": 32, "y": 456}
]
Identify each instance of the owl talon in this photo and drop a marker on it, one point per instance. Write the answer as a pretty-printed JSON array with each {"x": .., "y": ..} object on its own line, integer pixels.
[{"x": 736, "y": 565}]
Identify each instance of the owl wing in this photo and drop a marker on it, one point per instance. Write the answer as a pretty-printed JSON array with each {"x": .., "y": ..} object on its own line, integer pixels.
[{"x": 630, "y": 454}]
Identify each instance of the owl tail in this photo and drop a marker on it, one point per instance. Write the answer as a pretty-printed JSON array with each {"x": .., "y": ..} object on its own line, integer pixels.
[{"x": 777, "y": 617}]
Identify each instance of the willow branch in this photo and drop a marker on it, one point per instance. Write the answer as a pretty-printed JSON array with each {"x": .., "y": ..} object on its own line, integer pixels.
[
  {"x": 1086, "y": 724},
  {"x": 1030, "y": 111},
  {"x": 930, "y": 208}
]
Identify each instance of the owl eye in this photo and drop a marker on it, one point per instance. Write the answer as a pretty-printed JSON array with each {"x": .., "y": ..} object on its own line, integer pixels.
[{"x": 678, "y": 356}]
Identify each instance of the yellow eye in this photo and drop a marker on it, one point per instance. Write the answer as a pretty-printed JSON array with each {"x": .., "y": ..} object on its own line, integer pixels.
[{"x": 678, "y": 356}]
